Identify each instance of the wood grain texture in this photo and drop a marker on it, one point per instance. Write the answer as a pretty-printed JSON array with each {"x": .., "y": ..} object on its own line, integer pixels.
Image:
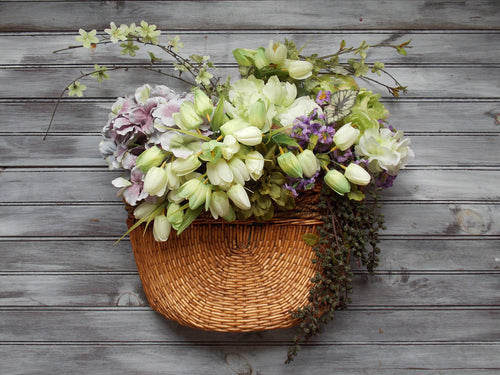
[
  {"x": 57, "y": 325},
  {"x": 443, "y": 150},
  {"x": 424, "y": 116},
  {"x": 429, "y": 47},
  {"x": 254, "y": 15},
  {"x": 106, "y": 220},
  {"x": 426, "y": 81},
  {"x": 250, "y": 359},
  {"x": 381, "y": 290},
  {"x": 422, "y": 184},
  {"x": 72, "y": 302},
  {"x": 398, "y": 256}
]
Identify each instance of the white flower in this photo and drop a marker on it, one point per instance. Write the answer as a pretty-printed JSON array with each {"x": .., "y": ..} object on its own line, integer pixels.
[
  {"x": 230, "y": 147},
  {"x": 309, "y": 163},
  {"x": 161, "y": 228},
  {"x": 298, "y": 69},
  {"x": 254, "y": 162},
  {"x": 181, "y": 145},
  {"x": 144, "y": 209},
  {"x": 357, "y": 175},
  {"x": 249, "y": 136},
  {"x": 385, "y": 150},
  {"x": 276, "y": 52},
  {"x": 239, "y": 197},
  {"x": 219, "y": 172},
  {"x": 302, "y": 106},
  {"x": 240, "y": 171},
  {"x": 182, "y": 167},
  {"x": 155, "y": 182},
  {"x": 219, "y": 204},
  {"x": 345, "y": 137}
]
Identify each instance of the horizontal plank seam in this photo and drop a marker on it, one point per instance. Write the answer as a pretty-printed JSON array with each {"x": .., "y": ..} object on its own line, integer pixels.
[
  {"x": 255, "y": 343},
  {"x": 380, "y": 272},
  {"x": 230, "y": 65},
  {"x": 385, "y": 99},
  {"x": 105, "y": 169},
  {"x": 138, "y": 309},
  {"x": 392, "y": 202},
  {"x": 382, "y": 236},
  {"x": 247, "y": 343},
  {"x": 225, "y": 32}
]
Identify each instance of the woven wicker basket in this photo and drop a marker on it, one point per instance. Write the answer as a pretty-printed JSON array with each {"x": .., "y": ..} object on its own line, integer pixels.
[{"x": 231, "y": 277}]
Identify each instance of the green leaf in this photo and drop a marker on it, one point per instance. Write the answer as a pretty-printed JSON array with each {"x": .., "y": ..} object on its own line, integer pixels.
[
  {"x": 283, "y": 139},
  {"x": 218, "y": 117},
  {"x": 311, "y": 239},
  {"x": 401, "y": 50},
  {"x": 154, "y": 58},
  {"x": 340, "y": 105},
  {"x": 189, "y": 217}
]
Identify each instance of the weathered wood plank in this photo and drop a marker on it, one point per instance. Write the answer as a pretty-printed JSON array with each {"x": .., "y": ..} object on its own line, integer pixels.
[
  {"x": 89, "y": 116},
  {"x": 352, "y": 326},
  {"x": 433, "y": 219},
  {"x": 223, "y": 15},
  {"x": 425, "y": 81},
  {"x": 443, "y": 150},
  {"x": 411, "y": 184},
  {"x": 381, "y": 290},
  {"x": 398, "y": 256},
  {"x": 242, "y": 359},
  {"x": 428, "y": 47}
]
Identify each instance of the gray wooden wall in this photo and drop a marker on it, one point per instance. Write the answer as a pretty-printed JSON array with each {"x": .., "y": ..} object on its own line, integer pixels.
[{"x": 72, "y": 303}]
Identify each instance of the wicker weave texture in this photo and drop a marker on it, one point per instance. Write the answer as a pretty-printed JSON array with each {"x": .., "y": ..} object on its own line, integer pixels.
[{"x": 228, "y": 277}]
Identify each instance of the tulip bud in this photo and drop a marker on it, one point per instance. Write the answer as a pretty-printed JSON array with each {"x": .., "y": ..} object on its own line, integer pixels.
[
  {"x": 240, "y": 171},
  {"x": 230, "y": 146},
  {"x": 357, "y": 174},
  {"x": 182, "y": 167},
  {"x": 257, "y": 114},
  {"x": 195, "y": 191},
  {"x": 276, "y": 52},
  {"x": 175, "y": 215},
  {"x": 202, "y": 103},
  {"x": 187, "y": 118},
  {"x": 161, "y": 228},
  {"x": 244, "y": 56},
  {"x": 173, "y": 180},
  {"x": 232, "y": 126},
  {"x": 261, "y": 60},
  {"x": 144, "y": 209},
  {"x": 219, "y": 204},
  {"x": 345, "y": 136},
  {"x": 309, "y": 163},
  {"x": 337, "y": 182},
  {"x": 239, "y": 197},
  {"x": 254, "y": 162},
  {"x": 219, "y": 172},
  {"x": 155, "y": 182},
  {"x": 152, "y": 157},
  {"x": 231, "y": 215},
  {"x": 249, "y": 136},
  {"x": 289, "y": 163},
  {"x": 298, "y": 69}
]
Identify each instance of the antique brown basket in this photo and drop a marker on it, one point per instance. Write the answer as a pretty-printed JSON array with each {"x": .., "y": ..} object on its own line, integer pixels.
[{"x": 231, "y": 277}]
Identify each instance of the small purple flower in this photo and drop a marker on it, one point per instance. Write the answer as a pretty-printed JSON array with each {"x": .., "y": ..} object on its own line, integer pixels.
[
  {"x": 384, "y": 180},
  {"x": 323, "y": 97},
  {"x": 343, "y": 156}
]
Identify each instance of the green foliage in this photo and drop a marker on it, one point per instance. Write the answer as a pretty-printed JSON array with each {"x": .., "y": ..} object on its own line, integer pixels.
[{"x": 350, "y": 232}]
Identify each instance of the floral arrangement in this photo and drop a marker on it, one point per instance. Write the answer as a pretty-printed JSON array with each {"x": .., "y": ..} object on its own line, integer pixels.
[{"x": 249, "y": 147}]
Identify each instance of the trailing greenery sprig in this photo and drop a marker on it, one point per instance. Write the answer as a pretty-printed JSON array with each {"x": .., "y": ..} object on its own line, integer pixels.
[{"x": 350, "y": 232}]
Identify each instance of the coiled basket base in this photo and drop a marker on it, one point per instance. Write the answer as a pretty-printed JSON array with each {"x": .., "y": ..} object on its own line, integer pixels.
[{"x": 229, "y": 277}]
